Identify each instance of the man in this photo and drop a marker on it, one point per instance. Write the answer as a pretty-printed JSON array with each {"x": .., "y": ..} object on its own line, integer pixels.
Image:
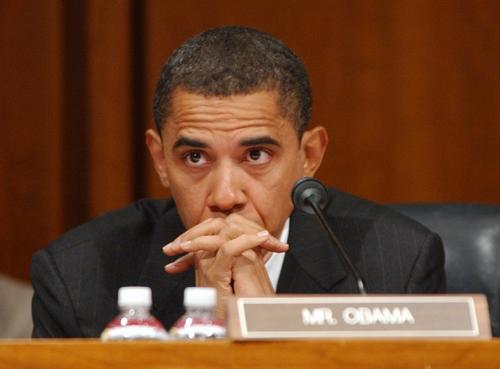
[{"x": 231, "y": 108}]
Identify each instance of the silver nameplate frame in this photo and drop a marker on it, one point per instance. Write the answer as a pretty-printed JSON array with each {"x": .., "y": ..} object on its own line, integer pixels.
[{"x": 351, "y": 316}]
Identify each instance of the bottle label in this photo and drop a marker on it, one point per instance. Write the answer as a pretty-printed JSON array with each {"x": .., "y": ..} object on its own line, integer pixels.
[
  {"x": 198, "y": 331},
  {"x": 134, "y": 332}
]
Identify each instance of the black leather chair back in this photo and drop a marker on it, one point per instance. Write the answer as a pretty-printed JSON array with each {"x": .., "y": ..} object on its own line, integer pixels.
[{"x": 471, "y": 239}]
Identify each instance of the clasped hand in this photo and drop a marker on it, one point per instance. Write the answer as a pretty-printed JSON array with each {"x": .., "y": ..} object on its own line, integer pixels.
[{"x": 228, "y": 254}]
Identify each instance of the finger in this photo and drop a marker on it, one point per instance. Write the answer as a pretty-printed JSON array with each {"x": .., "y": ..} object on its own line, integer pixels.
[
  {"x": 231, "y": 249},
  {"x": 265, "y": 255},
  {"x": 173, "y": 248},
  {"x": 244, "y": 221},
  {"x": 202, "y": 243},
  {"x": 274, "y": 245},
  {"x": 236, "y": 225},
  {"x": 181, "y": 264},
  {"x": 250, "y": 277},
  {"x": 244, "y": 242},
  {"x": 210, "y": 226}
]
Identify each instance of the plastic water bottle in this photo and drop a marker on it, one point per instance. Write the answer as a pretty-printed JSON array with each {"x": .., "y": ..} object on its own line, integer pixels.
[
  {"x": 135, "y": 321},
  {"x": 199, "y": 321}
]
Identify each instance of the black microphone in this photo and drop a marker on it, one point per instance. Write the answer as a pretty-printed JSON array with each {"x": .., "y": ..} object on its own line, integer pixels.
[{"x": 311, "y": 196}]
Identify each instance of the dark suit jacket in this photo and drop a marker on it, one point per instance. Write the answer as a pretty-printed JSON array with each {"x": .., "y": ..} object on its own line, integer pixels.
[{"x": 76, "y": 278}]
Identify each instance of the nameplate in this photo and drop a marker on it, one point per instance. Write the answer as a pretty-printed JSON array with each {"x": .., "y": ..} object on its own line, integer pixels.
[{"x": 348, "y": 316}]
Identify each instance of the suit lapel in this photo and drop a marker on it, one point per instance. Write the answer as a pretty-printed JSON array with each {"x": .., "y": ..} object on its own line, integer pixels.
[
  {"x": 167, "y": 289},
  {"x": 311, "y": 265}
]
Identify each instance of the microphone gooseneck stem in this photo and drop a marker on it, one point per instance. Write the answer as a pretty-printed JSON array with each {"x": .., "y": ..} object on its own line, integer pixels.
[{"x": 345, "y": 258}]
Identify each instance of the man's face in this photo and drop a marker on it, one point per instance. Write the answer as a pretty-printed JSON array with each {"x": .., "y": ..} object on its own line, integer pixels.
[{"x": 234, "y": 154}]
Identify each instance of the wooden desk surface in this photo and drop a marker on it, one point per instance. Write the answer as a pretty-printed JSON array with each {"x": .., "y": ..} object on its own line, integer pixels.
[{"x": 357, "y": 354}]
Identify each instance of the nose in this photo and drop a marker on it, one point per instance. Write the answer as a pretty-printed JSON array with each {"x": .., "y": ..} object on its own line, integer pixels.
[{"x": 227, "y": 193}]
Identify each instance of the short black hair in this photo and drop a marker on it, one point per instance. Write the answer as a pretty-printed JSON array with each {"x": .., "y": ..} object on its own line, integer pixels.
[{"x": 235, "y": 60}]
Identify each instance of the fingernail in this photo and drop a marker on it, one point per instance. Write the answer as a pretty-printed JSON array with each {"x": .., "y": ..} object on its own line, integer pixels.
[
  {"x": 172, "y": 264},
  {"x": 175, "y": 242},
  {"x": 164, "y": 248},
  {"x": 263, "y": 234},
  {"x": 185, "y": 244}
]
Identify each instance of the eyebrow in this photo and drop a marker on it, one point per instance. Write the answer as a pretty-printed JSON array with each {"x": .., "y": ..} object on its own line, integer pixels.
[
  {"x": 255, "y": 141},
  {"x": 186, "y": 141},
  {"x": 262, "y": 140}
]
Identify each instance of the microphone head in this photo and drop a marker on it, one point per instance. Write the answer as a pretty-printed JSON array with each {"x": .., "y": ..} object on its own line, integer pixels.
[{"x": 309, "y": 189}]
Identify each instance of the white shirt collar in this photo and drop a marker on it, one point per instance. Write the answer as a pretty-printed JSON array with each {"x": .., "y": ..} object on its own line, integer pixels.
[{"x": 275, "y": 263}]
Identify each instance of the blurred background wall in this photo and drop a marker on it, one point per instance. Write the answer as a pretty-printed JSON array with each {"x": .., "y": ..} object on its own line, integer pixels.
[{"x": 408, "y": 90}]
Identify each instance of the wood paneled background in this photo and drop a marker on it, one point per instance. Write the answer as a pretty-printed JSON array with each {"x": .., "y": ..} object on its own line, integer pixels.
[{"x": 409, "y": 92}]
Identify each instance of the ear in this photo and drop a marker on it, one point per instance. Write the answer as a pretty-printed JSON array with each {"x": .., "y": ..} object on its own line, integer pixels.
[
  {"x": 155, "y": 146},
  {"x": 313, "y": 146}
]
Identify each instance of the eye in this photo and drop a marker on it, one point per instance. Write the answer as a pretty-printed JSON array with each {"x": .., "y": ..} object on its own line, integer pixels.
[
  {"x": 195, "y": 158},
  {"x": 258, "y": 156}
]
